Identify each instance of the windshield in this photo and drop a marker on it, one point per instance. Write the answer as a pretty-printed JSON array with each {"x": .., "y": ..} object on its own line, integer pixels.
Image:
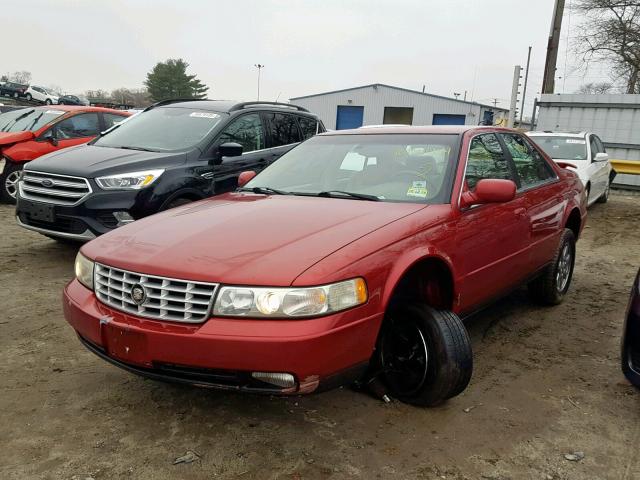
[
  {"x": 415, "y": 168},
  {"x": 563, "y": 148},
  {"x": 162, "y": 129},
  {"x": 27, "y": 119}
]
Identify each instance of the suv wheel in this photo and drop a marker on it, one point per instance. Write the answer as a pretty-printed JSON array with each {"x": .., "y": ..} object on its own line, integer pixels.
[
  {"x": 552, "y": 285},
  {"x": 9, "y": 182},
  {"x": 48, "y": 101},
  {"x": 424, "y": 354},
  {"x": 178, "y": 202},
  {"x": 28, "y": 97}
]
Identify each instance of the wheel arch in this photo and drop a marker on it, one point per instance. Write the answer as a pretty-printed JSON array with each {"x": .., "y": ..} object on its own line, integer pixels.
[
  {"x": 190, "y": 193},
  {"x": 574, "y": 222},
  {"x": 425, "y": 276}
]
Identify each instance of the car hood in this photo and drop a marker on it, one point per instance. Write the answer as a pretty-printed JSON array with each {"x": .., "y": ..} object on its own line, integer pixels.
[
  {"x": 8, "y": 138},
  {"x": 90, "y": 161},
  {"x": 243, "y": 239}
]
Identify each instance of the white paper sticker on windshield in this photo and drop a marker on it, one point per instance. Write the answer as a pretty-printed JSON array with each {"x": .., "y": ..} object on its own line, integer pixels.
[
  {"x": 204, "y": 115},
  {"x": 576, "y": 140},
  {"x": 419, "y": 189},
  {"x": 54, "y": 112}
]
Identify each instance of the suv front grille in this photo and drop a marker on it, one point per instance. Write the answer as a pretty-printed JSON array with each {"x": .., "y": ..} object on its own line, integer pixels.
[
  {"x": 53, "y": 188},
  {"x": 167, "y": 299}
]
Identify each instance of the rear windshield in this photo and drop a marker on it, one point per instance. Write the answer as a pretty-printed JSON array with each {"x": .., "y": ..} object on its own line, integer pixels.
[
  {"x": 563, "y": 148},
  {"x": 28, "y": 119},
  {"x": 162, "y": 130}
]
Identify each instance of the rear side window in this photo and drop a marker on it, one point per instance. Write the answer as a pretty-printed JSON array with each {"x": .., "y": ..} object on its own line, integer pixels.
[
  {"x": 308, "y": 127},
  {"x": 486, "y": 160},
  {"x": 78, "y": 126},
  {"x": 532, "y": 169},
  {"x": 110, "y": 119},
  {"x": 283, "y": 129},
  {"x": 245, "y": 130}
]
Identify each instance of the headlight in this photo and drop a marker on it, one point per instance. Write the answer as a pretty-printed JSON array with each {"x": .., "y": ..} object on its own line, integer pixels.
[
  {"x": 84, "y": 271},
  {"x": 290, "y": 302},
  {"x": 129, "y": 181}
]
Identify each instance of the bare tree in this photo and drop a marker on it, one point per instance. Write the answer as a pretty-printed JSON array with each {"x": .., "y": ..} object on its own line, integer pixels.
[
  {"x": 596, "y": 87},
  {"x": 136, "y": 97},
  {"x": 610, "y": 31},
  {"x": 22, "y": 77}
]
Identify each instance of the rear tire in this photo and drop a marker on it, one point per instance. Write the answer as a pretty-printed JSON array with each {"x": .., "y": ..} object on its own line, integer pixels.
[
  {"x": 552, "y": 285},
  {"x": 48, "y": 101},
  {"x": 28, "y": 97},
  {"x": 9, "y": 181},
  {"x": 425, "y": 354}
]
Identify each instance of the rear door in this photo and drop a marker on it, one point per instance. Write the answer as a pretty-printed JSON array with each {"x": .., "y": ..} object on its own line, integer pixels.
[
  {"x": 600, "y": 170},
  {"x": 491, "y": 239},
  {"x": 283, "y": 133},
  {"x": 247, "y": 130},
  {"x": 545, "y": 199}
]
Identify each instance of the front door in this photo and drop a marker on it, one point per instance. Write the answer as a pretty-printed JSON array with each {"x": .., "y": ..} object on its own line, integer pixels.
[
  {"x": 74, "y": 130},
  {"x": 491, "y": 239}
]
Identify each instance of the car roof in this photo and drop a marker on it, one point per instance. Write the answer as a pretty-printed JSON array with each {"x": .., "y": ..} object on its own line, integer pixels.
[
  {"x": 408, "y": 129},
  {"x": 229, "y": 106},
  {"x": 549, "y": 133}
]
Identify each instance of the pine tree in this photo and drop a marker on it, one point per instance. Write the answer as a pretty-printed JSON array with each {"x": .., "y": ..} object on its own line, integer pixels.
[{"x": 170, "y": 80}]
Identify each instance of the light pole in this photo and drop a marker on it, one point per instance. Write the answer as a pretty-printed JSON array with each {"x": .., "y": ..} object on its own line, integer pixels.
[{"x": 259, "y": 67}]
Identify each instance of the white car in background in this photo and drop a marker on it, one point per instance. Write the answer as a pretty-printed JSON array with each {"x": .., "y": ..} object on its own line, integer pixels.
[
  {"x": 586, "y": 151},
  {"x": 41, "y": 94}
]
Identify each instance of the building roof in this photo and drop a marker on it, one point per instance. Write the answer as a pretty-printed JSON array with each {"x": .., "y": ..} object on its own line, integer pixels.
[{"x": 375, "y": 85}]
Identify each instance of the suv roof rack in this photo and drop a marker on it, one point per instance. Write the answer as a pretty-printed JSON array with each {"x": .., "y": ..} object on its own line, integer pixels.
[
  {"x": 243, "y": 105},
  {"x": 169, "y": 101}
]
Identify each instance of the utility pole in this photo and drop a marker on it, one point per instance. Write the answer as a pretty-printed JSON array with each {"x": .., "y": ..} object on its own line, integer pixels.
[
  {"x": 548, "y": 82},
  {"x": 514, "y": 96},
  {"x": 524, "y": 89},
  {"x": 259, "y": 67},
  {"x": 456, "y": 94},
  {"x": 495, "y": 102}
]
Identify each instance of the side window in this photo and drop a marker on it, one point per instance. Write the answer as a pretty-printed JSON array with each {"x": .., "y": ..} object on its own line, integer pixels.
[
  {"x": 600, "y": 145},
  {"x": 110, "y": 119},
  {"x": 486, "y": 160},
  {"x": 531, "y": 168},
  {"x": 78, "y": 126},
  {"x": 245, "y": 130},
  {"x": 308, "y": 127},
  {"x": 283, "y": 129}
]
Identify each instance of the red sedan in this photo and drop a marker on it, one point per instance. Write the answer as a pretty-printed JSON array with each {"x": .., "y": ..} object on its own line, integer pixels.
[
  {"x": 29, "y": 133},
  {"x": 355, "y": 255}
]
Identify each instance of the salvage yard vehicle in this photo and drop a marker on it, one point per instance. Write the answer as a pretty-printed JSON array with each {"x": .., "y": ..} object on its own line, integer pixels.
[
  {"x": 355, "y": 254},
  {"x": 74, "y": 100},
  {"x": 13, "y": 89},
  {"x": 41, "y": 94},
  {"x": 630, "y": 358},
  {"x": 585, "y": 153},
  {"x": 28, "y": 133},
  {"x": 173, "y": 153}
]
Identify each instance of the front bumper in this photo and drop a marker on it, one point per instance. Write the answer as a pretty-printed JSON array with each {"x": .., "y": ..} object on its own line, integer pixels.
[
  {"x": 86, "y": 220},
  {"x": 630, "y": 351},
  {"x": 222, "y": 352}
]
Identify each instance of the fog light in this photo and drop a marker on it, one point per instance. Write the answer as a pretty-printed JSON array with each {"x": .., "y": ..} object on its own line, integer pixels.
[
  {"x": 284, "y": 380},
  {"x": 123, "y": 218}
]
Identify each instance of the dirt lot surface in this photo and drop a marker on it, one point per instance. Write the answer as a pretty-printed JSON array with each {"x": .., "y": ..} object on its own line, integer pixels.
[{"x": 547, "y": 382}]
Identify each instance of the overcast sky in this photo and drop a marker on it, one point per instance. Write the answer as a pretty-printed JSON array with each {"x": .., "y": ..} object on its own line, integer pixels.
[{"x": 306, "y": 46}]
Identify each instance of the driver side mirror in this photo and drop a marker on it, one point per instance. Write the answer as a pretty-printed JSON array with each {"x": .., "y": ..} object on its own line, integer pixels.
[
  {"x": 601, "y": 157},
  {"x": 50, "y": 137},
  {"x": 489, "y": 190},
  {"x": 227, "y": 149}
]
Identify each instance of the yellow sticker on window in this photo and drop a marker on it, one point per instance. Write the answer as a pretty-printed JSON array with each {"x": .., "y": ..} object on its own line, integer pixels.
[{"x": 419, "y": 189}]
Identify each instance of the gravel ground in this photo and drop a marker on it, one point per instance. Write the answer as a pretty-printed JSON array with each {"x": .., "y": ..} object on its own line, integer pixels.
[{"x": 547, "y": 382}]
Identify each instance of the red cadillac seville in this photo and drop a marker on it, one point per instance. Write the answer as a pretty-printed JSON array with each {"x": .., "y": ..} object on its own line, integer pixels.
[{"x": 355, "y": 254}]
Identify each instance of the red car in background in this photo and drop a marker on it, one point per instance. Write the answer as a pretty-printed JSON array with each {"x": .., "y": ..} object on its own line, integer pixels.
[
  {"x": 28, "y": 133},
  {"x": 357, "y": 250}
]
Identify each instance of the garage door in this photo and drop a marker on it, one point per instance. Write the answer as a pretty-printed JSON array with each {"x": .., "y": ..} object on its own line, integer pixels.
[
  {"x": 448, "y": 119},
  {"x": 349, "y": 116}
]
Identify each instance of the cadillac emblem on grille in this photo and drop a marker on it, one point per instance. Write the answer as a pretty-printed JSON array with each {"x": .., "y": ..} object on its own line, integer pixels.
[{"x": 138, "y": 294}]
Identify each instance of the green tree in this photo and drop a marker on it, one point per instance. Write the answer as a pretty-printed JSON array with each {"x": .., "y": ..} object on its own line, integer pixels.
[{"x": 170, "y": 80}]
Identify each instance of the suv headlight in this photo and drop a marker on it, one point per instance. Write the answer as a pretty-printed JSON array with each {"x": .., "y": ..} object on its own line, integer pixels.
[
  {"x": 129, "y": 181},
  {"x": 290, "y": 302},
  {"x": 84, "y": 271}
]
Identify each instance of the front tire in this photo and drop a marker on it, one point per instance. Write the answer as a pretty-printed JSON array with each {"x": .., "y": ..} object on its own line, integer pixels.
[
  {"x": 178, "y": 202},
  {"x": 424, "y": 354},
  {"x": 9, "y": 181},
  {"x": 552, "y": 285}
]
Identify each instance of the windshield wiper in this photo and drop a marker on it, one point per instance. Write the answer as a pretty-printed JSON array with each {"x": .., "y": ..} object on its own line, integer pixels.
[
  {"x": 142, "y": 149},
  {"x": 342, "y": 194},
  {"x": 17, "y": 119},
  {"x": 263, "y": 190}
]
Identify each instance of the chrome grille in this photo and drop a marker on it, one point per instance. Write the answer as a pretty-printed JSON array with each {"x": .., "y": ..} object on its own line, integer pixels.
[
  {"x": 53, "y": 188},
  {"x": 167, "y": 299}
]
